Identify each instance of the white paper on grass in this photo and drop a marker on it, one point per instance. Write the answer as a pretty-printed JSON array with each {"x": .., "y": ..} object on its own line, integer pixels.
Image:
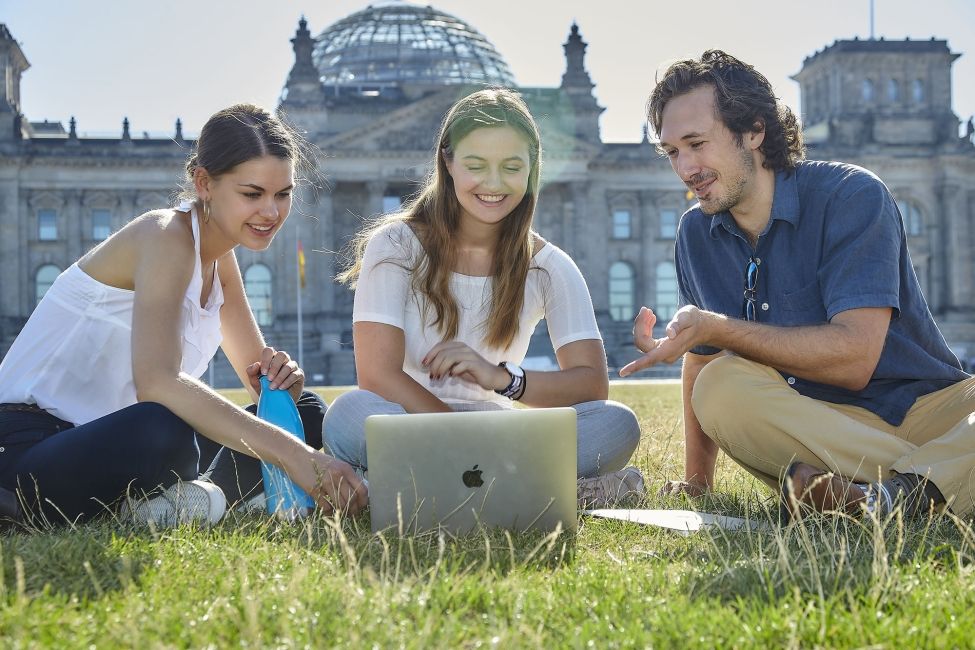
[{"x": 683, "y": 521}]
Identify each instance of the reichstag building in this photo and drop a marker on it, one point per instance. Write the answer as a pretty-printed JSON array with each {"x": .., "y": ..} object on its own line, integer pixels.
[{"x": 371, "y": 91}]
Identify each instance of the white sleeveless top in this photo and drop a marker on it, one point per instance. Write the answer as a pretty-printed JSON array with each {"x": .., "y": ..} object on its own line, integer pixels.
[{"x": 74, "y": 356}]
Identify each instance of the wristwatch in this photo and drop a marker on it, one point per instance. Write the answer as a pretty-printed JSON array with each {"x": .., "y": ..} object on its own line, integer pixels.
[{"x": 516, "y": 388}]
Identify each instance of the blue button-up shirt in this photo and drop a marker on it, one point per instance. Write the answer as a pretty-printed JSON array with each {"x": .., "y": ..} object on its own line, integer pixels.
[{"x": 835, "y": 241}]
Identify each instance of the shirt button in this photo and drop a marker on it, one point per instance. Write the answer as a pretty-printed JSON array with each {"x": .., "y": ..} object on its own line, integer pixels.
[
  {"x": 791, "y": 380},
  {"x": 2, "y": 450},
  {"x": 758, "y": 260},
  {"x": 764, "y": 306}
]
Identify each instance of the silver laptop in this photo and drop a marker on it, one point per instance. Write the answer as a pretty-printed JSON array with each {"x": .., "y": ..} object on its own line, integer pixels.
[{"x": 514, "y": 469}]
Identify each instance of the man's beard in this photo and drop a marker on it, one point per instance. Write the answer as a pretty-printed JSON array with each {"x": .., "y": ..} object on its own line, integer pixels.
[{"x": 735, "y": 187}]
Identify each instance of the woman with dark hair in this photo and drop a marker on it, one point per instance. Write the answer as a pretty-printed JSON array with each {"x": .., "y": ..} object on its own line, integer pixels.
[
  {"x": 99, "y": 394},
  {"x": 449, "y": 290}
]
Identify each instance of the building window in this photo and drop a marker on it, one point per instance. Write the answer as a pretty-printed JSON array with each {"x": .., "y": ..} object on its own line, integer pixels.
[
  {"x": 917, "y": 91},
  {"x": 622, "y": 224},
  {"x": 101, "y": 224},
  {"x": 622, "y": 292},
  {"x": 912, "y": 216},
  {"x": 668, "y": 224},
  {"x": 391, "y": 203},
  {"x": 47, "y": 225},
  {"x": 867, "y": 90},
  {"x": 666, "y": 304},
  {"x": 893, "y": 90},
  {"x": 46, "y": 275},
  {"x": 257, "y": 286}
]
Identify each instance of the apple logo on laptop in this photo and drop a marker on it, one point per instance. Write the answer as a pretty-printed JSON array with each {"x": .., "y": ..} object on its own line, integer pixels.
[{"x": 472, "y": 477}]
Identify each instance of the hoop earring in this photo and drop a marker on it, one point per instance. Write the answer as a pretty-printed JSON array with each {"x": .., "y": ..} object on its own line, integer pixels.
[{"x": 206, "y": 212}]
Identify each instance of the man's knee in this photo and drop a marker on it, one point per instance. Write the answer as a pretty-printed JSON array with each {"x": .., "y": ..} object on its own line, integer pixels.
[{"x": 722, "y": 393}]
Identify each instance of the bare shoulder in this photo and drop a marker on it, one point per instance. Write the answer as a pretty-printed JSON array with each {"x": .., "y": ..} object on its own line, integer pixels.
[
  {"x": 166, "y": 255},
  {"x": 170, "y": 223},
  {"x": 155, "y": 237},
  {"x": 166, "y": 231}
]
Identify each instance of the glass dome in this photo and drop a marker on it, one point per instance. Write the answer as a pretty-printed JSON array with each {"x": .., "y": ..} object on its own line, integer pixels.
[{"x": 391, "y": 43}]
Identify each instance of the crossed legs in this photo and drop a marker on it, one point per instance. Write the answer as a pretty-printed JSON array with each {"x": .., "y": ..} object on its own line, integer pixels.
[
  {"x": 763, "y": 424},
  {"x": 608, "y": 432}
]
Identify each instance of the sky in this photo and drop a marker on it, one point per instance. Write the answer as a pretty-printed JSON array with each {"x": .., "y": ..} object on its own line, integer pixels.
[{"x": 154, "y": 61}]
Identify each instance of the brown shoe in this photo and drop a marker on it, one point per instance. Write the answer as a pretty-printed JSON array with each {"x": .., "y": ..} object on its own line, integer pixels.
[{"x": 806, "y": 487}]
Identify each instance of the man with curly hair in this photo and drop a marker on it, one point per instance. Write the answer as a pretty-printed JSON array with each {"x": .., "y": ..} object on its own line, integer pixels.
[{"x": 810, "y": 355}]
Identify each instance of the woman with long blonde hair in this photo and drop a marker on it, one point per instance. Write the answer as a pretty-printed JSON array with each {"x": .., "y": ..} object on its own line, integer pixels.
[{"x": 449, "y": 290}]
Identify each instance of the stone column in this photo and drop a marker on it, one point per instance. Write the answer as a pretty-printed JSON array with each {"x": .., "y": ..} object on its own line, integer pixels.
[
  {"x": 960, "y": 268},
  {"x": 349, "y": 211},
  {"x": 73, "y": 224},
  {"x": 306, "y": 223},
  {"x": 329, "y": 322},
  {"x": 556, "y": 206},
  {"x": 941, "y": 282},
  {"x": 11, "y": 228},
  {"x": 329, "y": 260},
  {"x": 23, "y": 273},
  {"x": 126, "y": 211},
  {"x": 577, "y": 217},
  {"x": 649, "y": 217},
  {"x": 968, "y": 246},
  {"x": 374, "y": 204}
]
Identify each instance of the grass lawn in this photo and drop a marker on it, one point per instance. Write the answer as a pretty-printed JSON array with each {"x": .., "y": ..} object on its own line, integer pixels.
[{"x": 256, "y": 582}]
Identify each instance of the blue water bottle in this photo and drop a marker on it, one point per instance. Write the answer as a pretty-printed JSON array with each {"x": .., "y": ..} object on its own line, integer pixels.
[{"x": 282, "y": 496}]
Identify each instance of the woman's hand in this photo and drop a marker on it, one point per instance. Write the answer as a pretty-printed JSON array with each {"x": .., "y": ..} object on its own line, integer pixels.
[
  {"x": 456, "y": 359},
  {"x": 282, "y": 372},
  {"x": 333, "y": 484}
]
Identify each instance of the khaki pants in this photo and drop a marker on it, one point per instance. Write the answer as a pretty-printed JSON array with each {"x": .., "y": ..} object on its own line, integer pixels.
[{"x": 763, "y": 424}]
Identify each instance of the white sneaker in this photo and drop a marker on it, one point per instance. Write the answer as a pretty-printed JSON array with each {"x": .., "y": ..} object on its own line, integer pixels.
[
  {"x": 610, "y": 489},
  {"x": 257, "y": 503},
  {"x": 181, "y": 503}
]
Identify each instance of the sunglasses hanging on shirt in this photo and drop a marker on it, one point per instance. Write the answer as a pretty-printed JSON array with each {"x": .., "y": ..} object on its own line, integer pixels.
[{"x": 749, "y": 310}]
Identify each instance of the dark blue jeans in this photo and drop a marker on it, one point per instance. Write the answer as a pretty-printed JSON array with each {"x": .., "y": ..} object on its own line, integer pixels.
[
  {"x": 63, "y": 472},
  {"x": 67, "y": 473}
]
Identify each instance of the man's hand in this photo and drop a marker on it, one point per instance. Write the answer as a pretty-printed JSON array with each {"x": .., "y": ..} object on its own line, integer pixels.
[
  {"x": 643, "y": 330},
  {"x": 687, "y": 329}
]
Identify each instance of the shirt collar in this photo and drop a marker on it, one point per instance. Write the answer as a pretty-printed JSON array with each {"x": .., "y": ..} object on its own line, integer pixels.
[{"x": 785, "y": 204}]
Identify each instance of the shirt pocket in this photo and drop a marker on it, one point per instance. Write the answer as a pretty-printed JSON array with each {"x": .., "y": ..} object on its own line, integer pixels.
[{"x": 803, "y": 306}]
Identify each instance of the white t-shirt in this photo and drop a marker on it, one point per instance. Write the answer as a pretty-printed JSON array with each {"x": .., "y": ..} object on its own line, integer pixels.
[
  {"x": 555, "y": 290},
  {"x": 74, "y": 356}
]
